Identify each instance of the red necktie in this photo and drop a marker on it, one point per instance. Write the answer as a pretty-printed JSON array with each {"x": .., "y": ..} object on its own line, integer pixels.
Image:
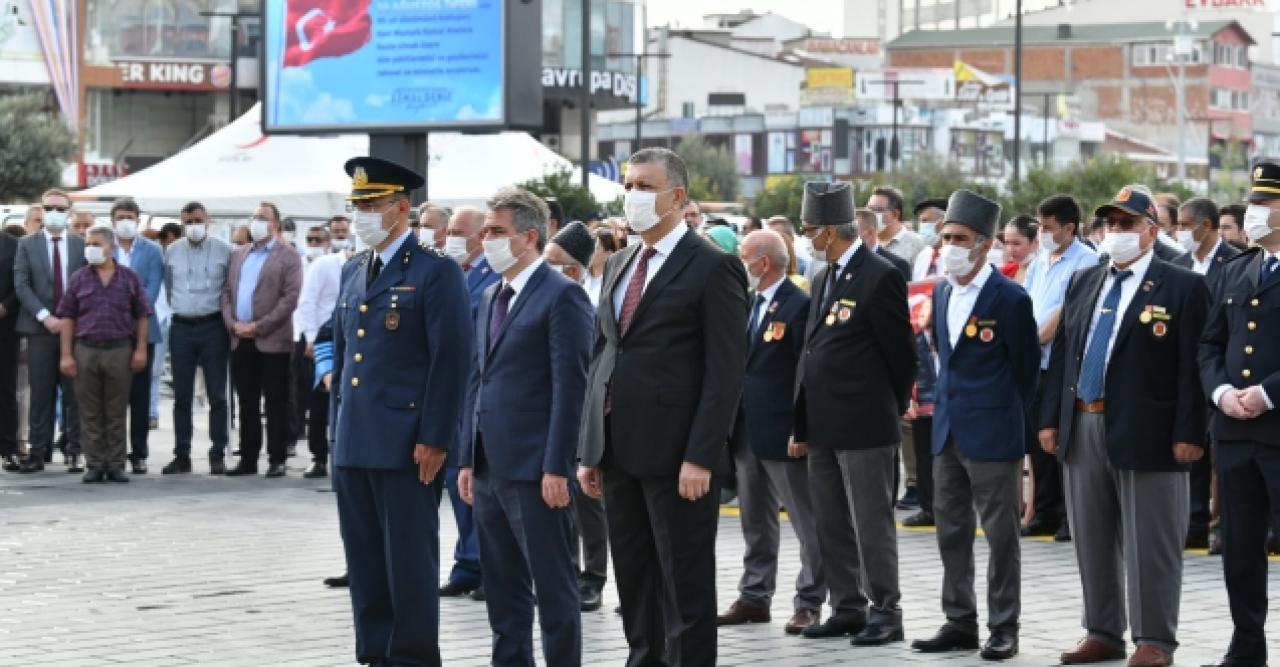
[
  {"x": 57, "y": 273},
  {"x": 635, "y": 290}
]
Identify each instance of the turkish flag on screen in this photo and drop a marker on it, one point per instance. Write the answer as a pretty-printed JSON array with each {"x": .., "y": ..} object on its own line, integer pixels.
[{"x": 324, "y": 28}]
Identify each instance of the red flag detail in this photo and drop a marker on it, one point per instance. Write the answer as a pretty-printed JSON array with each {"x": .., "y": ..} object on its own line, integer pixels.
[{"x": 324, "y": 29}]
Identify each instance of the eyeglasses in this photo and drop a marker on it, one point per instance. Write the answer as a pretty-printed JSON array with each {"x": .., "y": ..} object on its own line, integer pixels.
[
  {"x": 809, "y": 231},
  {"x": 1126, "y": 223},
  {"x": 62, "y": 209},
  {"x": 315, "y": 240}
]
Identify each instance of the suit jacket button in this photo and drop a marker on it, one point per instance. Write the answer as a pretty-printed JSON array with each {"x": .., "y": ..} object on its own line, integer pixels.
[
  {"x": 1246, "y": 373},
  {"x": 355, "y": 382},
  {"x": 1254, "y": 303},
  {"x": 358, "y": 358},
  {"x": 359, "y": 333},
  {"x": 364, "y": 308},
  {"x": 1248, "y": 349},
  {"x": 1253, "y": 325}
]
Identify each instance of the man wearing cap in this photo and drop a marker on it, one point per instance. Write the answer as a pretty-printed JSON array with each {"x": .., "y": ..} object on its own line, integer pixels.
[
  {"x": 771, "y": 472},
  {"x": 852, "y": 386},
  {"x": 570, "y": 252},
  {"x": 929, "y": 215},
  {"x": 1240, "y": 370},
  {"x": 664, "y": 384},
  {"x": 401, "y": 358},
  {"x": 988, "y": 360},
  {"x": 1123, "y": 410}
]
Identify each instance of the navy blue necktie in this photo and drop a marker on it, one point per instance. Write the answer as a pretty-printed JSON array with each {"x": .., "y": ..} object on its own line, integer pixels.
[
  {"x": 374, "y": 269},
  {"x": 500, "y": 305},
  {"x": 1268, "y": 270},
  {"x": 756, "y": 317},
  {"x": 1094, "y": 369}
]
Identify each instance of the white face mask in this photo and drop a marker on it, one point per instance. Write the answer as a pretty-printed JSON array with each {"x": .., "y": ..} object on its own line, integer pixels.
[
  {"x": 94, "y": 255},
  {"x": 880, "y": 223},
  {"x": 957, "y": 261},
  {"x": 315, "y": 252},
  {"x": 339, "y": 245},
  {"x": 55, "y": 221},
  {"x": 196, "y": 232},
  {"x": 753, "y": 281},
  {"x": 642, "y": 210},
  {"x": 1047, "y": 242},
  {"x": 259, "y": 230},
  {"x": 126, "y": 228},
  {"x": 1256, "y": 222},
  {"x": 368, "y": 225},
  {"x": 427, "y": 235},
  {"x": 928, "y": 232},
  {"x": 456, "y": 248},
  {"x": 1187, "y": 240},
  {"x": 498, "y": 253},
  {"x": 1124, "y": 247},
  {"x": 634, "y": 239}
]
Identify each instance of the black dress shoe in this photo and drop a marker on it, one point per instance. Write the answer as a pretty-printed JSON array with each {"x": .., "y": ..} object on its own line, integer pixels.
[
  {"x": 217, "y": 467},
  {"x": 454, "y": 589},
  {"x": 139, "y": 467},
  {"x": 31, "y": 465},
  {"x": 591, "y": 597},
  {"x": 117, "y": 475},
  {"x": 337, "y": 582},
  {"x": 243, "y": 469},
  {"x": 316, "y": 470},
  {"x": 1063, "y": 534},
  {"x": 180, "y": 465},
  {"x": 910, "y": 499},
  {"x": 876, "y": 634},
  {"x": 93, "y": 476},
  {"x": 1001, "y": 645},
  {"x": 74, "y": 465},
  {"x": 275, "y": 470},
  {"x": 478, "y": 594},
  {"x": 11, "y": 463},
  {"x": 836, "y": 626},
  {"x": 1039, "y": 527},
  {"x": 948, "y": 638},
  {"x": 921, "y": 519}
]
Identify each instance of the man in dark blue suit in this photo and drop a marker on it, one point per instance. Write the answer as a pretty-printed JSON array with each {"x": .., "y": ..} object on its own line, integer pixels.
[
  {"x": 401, "y": 359},
  {"x": 988, "y": 363},
  {"x": 462, "y": 244},
  {"x": 533, "y": 344},
  {"x": 771, "y": 472}
]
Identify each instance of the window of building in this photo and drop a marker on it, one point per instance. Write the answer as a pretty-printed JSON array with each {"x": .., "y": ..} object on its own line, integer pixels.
[
  {"x": 782, "y": 152},
  {"x": 814, "y": 155},
  {"x": 1156, "y": 54}
]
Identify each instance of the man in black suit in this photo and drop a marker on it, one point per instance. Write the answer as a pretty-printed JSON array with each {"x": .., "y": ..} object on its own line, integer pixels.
[
  {"x": 666, "y": 375},
  {"x": 1197, "y": 231},
  {"x": 770, "y": 473},
  {"x": 852, "y": 386},
  {"x": 1123, "y": 410},
  {"x": 866, "y": 220},
  {"x": 9, "y": 306},
  {"x": 1240, "y": 370}
]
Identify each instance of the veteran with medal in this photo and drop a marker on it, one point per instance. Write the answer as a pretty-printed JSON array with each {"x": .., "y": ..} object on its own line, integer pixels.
[
  {"x": 988, "y": 364},
  {"x": 401, "y": 360},
  {"x": 853, "y": 383},
  {"x": 1123, "y": 409}
]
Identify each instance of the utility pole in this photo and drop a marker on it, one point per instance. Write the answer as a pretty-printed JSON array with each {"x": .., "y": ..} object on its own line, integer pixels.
[
  {"x": 1017, "y": 97},
  {"x": 640, "y": 57},
  {"x": 585, "y": 101},
  {"x": 1183, "y": 47}
]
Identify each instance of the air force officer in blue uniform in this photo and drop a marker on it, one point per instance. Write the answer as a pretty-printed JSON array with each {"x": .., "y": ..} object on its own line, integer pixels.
[
  {"x": 988, "y": 362},
  {"x": 401, "y": 357},
  {"x": 533, "y": 344}
]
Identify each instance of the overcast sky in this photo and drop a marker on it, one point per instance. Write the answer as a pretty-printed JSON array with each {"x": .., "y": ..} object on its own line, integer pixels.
[{"x": 821, "y": 15}]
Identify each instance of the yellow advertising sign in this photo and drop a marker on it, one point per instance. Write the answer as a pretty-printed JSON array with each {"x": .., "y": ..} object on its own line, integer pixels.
[{"x": 828, "y": 77}]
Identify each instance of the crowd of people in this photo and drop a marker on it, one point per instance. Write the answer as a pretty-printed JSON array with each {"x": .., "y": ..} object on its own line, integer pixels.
[{"x": 581, "y": 388}]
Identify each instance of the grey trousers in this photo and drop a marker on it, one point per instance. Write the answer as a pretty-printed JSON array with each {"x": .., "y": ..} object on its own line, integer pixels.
[
  {"x": 960, "y": 484},
  {"x": 43, "y": 354},
  {"x": 852, "y": 494},
  {"x": 590, "y": 529},
  {"x": 907, "y": 430},
  {"x": 763, "y": 488},
  {"x": 1128, "y": 528},
  {"x": 103, "y": 378}
]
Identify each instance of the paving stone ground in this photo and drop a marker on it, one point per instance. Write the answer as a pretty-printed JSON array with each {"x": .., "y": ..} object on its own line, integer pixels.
[{"x": 201, "y": 570}]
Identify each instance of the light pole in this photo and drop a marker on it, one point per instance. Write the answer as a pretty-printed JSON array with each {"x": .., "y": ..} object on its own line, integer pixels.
[
  {"x": 639, "y": 102},
  {"x": 1183, "y": 47},
  {"x": 232, "y": 96},
  {"x": 1017, "y": 97}
]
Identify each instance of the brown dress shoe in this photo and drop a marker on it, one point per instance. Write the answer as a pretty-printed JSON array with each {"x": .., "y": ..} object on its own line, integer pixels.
[
  {"x": 743, "y": 612},
  {"x": 1150, "y": 656},
  {"x": 802, "y": 619},
  {"x": 1091, "y": 650}
]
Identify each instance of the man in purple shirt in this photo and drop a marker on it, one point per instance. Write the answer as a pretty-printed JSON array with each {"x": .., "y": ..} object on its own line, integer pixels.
[{"x": 104, "y": 342}]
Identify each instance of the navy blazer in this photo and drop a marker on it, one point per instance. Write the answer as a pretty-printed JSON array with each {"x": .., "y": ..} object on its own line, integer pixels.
[
  {"x": 1223, "y": 254},
  {"x": 401, "y": 358},
  {"x": 986, "y": 382},
  {"x": 148, "y": 262},
  {"x": 765, "y": 415},
  {"x": 528, "y": 384},
  {"x": 479, "y": 278}
]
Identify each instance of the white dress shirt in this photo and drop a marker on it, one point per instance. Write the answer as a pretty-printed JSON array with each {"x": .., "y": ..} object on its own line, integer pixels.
[
  {"x": 1224, "y": 388},
  {"x": 963, "y": 298},
  {"x": 840, "y": 264},
  {"x": 1200, "y": 267},
  {"x": 62, "y": 260},
  {"x": 593, "y": 285},
  {"x": 758, "y": 311},
  {"x": 1127, "y": 289},
  {"x": 517, "y": 284},
  {"x": 320, "y": 287},
  {"x": 664, "y": 247}
]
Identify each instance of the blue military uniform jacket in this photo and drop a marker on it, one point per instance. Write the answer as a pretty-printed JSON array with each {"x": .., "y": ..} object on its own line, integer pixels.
[
  {"x": 480, "y": 277},
  {"x": 986, "y": 382},
  {"x": 401, "y": 357}
]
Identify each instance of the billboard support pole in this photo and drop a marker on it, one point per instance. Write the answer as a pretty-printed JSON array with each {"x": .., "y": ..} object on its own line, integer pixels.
[
  {"x": 406, "y": 149},
  {"x": 585, "y": 102}
]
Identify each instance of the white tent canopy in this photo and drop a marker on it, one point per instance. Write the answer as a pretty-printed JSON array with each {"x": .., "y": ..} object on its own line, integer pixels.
[{"x": 237, "y": 167}]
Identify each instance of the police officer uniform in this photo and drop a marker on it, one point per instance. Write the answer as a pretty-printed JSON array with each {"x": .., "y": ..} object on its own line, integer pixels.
[
  {"x": 1239, "y": 351},
  {"x": 402, "y": 355}
]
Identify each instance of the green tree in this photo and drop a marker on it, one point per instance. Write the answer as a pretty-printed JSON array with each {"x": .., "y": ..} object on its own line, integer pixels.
[
  {"x": 1232, "y": 159},
  {"x": 576, "y": 200},
  {"x": 33, "y": 142},
  {"x": 713, "y": 174},
  {"x": 1092, "y": 182},
  {"x": 781, "y": 195}
]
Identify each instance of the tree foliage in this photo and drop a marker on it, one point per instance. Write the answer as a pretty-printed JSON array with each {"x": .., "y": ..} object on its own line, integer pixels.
[
  {"x": 577, "y": 201},
  {"x": 33, "y": 141},
  {"x": 1232, "y": 158},
  {"x": 781, "y": 195},
  {"x": 713, "y": 174},
  {"x": 1092, "y": 182}
]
